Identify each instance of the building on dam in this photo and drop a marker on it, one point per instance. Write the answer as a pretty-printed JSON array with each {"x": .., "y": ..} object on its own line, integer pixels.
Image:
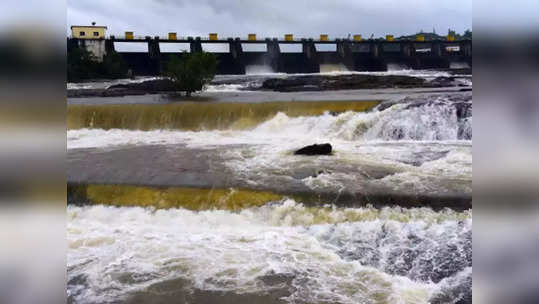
[{"x": 91, "y": 37}]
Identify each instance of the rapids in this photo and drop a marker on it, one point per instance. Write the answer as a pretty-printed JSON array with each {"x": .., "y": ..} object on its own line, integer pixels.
[
  {"x": 416, "y": 149},
  {"x": 206, "y": 203},
  {"x": 285, "y": 250}
]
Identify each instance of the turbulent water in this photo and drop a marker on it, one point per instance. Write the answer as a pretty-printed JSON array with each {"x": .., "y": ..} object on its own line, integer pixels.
[
  {"x": 304, "y": 255},
  {"x": 287, "y": 251},
  {"x": 436, "y": 120},
  {"x": 409, "y": 148}
]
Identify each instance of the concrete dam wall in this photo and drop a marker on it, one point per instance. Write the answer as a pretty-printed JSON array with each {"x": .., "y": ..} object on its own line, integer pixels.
[{"x": 367, "y": 55}]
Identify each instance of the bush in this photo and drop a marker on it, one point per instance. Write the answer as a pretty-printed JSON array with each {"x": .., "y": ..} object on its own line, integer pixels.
[
  {"x": 82, "y": 64},
  {"x": 192, "y": 71},
  {"x": 114, "y": 66}
]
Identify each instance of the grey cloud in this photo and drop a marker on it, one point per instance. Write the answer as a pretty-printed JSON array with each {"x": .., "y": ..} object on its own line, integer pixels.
[{"x": 304, "y": 18}]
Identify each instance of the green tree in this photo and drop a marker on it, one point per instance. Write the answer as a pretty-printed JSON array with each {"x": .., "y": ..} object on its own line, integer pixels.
[
  {"x": 81, "y": 64},
  {"x": 192, "y": 71},
  {"x": 467, "y": 34},
  {"x": 114, "y": 65}
]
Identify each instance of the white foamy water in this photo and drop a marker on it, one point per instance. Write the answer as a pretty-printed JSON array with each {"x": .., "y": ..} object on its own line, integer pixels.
[
  {"x": 392, "y": 67},
  {"x": 395, "y": 70},
  {"x": 328, "y": 68},
  {"x": 315, "y": 254},
  {"x": 224, "y": 87},
  {"x": 418, "y": 148},
  {"x": 435, "y": 121},
  {"x": 259, "y": 69},
  {"x": 459, "y": 65},
  {"x": 103, "y": 84},
  {"x": 337, "y": 255}
]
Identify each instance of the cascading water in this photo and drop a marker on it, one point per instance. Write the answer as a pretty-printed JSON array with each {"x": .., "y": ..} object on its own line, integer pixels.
[
  {"x": 397, "y": 67},
  {"x": 196, "y": 116},
  {"x": 440, "y": 119},
  {"x": 258, "y": 69},
  {"x": 305, "y": 255},
  {"x": 332, "y": 68},
  {"x": 233, "y": 250},
  {"x": 459, "y": 65},
  {"x": 434, "y": 120}
]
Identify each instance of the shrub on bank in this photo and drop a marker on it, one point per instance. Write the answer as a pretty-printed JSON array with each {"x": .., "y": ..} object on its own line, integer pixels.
[
  {"x": 191, "y": 72},
  {"x": 82, "y": 64}
]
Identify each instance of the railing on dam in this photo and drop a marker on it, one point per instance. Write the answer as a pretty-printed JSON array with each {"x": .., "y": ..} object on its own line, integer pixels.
[{"x": 186, "y": 39}]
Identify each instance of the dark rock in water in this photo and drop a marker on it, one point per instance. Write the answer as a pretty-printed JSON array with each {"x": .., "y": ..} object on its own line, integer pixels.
[
  {"x": 138, "y": 88},
  {"x": 444, "y": 81},
  {"x": 85, "y": 93},
  {"x": 461, "y": 71},
  {"x": 322, "y": 149},
  {"x": 464, "y": 109},
  {"x": 340, "y": 82}
]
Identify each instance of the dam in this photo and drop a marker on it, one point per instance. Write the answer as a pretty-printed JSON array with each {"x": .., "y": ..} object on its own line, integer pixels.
[{"x": 234, "y": 59}]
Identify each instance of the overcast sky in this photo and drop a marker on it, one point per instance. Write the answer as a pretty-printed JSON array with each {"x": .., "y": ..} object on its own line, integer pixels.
[{"x": 272, "y": 18}]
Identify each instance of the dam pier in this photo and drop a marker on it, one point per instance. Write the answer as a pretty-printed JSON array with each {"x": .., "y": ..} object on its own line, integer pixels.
[{"x": 235, "y": 54}]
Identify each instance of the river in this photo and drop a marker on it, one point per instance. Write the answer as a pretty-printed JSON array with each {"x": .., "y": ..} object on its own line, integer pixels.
[{"x": 205, "y": 202}]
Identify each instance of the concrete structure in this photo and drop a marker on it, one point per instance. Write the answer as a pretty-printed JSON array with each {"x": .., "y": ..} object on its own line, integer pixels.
[
  {"x": 356, "y": 54},
  {"x": 90, "y": 37},
  {"x": 88, "y": 31}
]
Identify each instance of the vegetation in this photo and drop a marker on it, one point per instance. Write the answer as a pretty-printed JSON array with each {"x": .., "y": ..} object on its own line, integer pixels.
[
  {"x": 466, "y": 35},
  {"x": 82, "y": 64},
  {"x": 192, "y": 71},
  {"x": 114, "y": 66},
  {"x": 433, "y": 36}
]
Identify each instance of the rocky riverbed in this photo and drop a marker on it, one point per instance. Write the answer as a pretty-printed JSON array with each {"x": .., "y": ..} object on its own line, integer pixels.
[{"x": 282, "y": 83}]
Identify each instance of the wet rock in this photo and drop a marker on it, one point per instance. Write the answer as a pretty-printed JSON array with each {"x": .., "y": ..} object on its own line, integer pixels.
[
  {"x": 340, "y": 82},
  {"x": 460, "y": 71},
  {"x": 140, "y": 88},
  {"x": 72, "y": 93},
  {"x": 316, "y": 149},
  {"x": 444, "y": 81},
  {"x": 464, "y": 109}
]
